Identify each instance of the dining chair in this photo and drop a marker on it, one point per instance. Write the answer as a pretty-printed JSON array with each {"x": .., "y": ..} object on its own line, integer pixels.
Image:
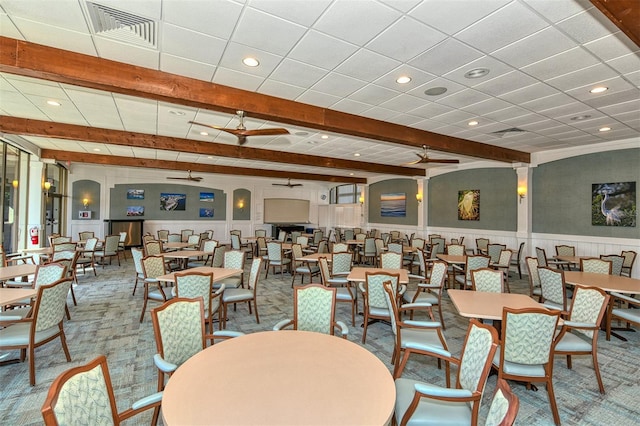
[
  {"x": 87, "y": 255},
  {"x": 174, "y": 238},
  {"x": 194, "y": 241},
  {"x": 299, "y": 267},
  {"x": 184, "y": 234},
  {"x": 616, "y": 262},
  {"x": 146, "y": 238},
  {"x": 260, "y": 233},
  {"x": 339, "y": 247},
  {"x": 276, "y": 258},
  {"x": 493, "y": 251},
  {"x": 472, "y": 263},
  {"x": 192, "y": 285},
  {"x": 543, "y": 260},
  {"x": 375, "y": 304},
  {"x": 482, "y": 245},
  {"x": 218, "y": 256},
  {"x": 565, "y": 250},
  {"x": 122, "y": 244},
  {"x": 394, "y": 248},
  {"x": 369, "y": 251},
  {"x": 526, "y": 350},
  {"x": 423, "y": 403},
  {"x": 84, "y": 395},
  {"x": 341, "y": 264},
  {"x": 323, "y": 246},
  {"x": 438, "y": 244},
  {"x": 596, "y": 266},
  {"x": 517, "y": 261},
  {"x": 68, "y": 259},
  {"x": 627, "y": 265},
  {"x": 391, "y": 260},
  {"x": 137, "y": 254},
  {"x": 412, "y": 333},
  {"x": 109, "y": 250},
  {"x": 240, "y": 295},
  {"x": 579, "y": 333},
  {"x": 233, "y": 259},
  {"x": 456, "y": 250},
  {"x": 430, "y": 289},
  {"x": 504, "y": 406},
  {"x": 153, "y": 267},
  {"x": 314, "y": 307},
  {"x": 85, "y": 235},
  {"x": 553, "y": 288},
  {"x": 503, "y": 264},
  {"x": 163, "y": 234},
  {"x": 344, "y": 292},
  {"x": 487, "y": 280},
  {"x": 261, "y": 244},
  {"x": 535, "y": 289},
  {"x": 208, "y": 246},
  {"x": 282, "y": 236},
  {"x": 294, "y": 236},
  {"x": 622, "y": 307},
  {"x": 45, "y": 325}
]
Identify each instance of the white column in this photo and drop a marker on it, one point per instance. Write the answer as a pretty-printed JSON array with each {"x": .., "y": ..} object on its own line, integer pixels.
[{"x": 523, "y": 193}]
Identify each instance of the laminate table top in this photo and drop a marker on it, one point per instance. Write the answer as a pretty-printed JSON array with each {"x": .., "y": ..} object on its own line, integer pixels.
[
  {"x": 218, "y": 273},
  {"x": 358, "y": 274},
  {"x": 11, "y": 295},
  {"x": 606, "y": 282},
  {"x": 14, "y": 271},
  {"x": 452, "y": 259},
  {"x": 281, "y": 378},
  {"x": 313, "y": 257},
  {"x": 478, "y": 304}
]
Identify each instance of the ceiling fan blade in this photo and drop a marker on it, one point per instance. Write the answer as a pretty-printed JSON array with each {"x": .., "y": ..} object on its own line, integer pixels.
[
  {"x": 214, "y": 127},
  {"x": 264, "y": 132},
  {"x": 177, "y": 178},
  {"x": 443, "y": 161},
  {"x": 412, "y": 163}
]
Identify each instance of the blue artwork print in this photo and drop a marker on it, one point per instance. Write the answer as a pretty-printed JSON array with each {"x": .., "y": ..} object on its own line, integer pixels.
[
  {"x": 207, "y": 197},
  {"x": 393, "y": 204},
  {"x": 206, "y": 212},
  {"x": 171, "y": 202}
]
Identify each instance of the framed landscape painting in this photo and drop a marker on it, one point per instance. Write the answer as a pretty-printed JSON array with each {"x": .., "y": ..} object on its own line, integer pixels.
[
  {"x": 613, "y": 204},
  {"x": 469, "y": 204},
  {"x": 135, "y": 211},
  {"x": 207, "y": 197},
  {"x": 206, "y": 212},
  {"x": 172, "y": 202},
  {"x": 393, "y": 204},
  {"x": 135, "y": 194}
]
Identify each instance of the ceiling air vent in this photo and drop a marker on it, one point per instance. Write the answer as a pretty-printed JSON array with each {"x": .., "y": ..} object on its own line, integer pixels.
[
  {"x": 123, "y": 26},
  {"x": 510, "y": 131}
]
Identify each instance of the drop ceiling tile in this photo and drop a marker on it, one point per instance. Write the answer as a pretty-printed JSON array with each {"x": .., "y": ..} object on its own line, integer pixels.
[
  {"x": 529, "y": 93},
  {"x": 237, "y": 79},
  {"x": 456, "y": 116},
  {"x": 634, "y": 78},
  {"x": 181, "y": 66},
  {"x": 221, "y": 16},
  {"x": 506, "y": 83},
  {"x": 496, "y": 69},
  {"x": 18, "y": 106},
  {"x": 564, "y": 63},
  {"x": 280, "y": 90},
  {"x": 507, "y": 25},
  {"x": 565, "y": 112},
  {"x": 524, "y": 119},
  {"x": 321, "y": 50},
  {"x": 253, "y": 25},
  {"x": 618, "y": 134},
  {"x": 614, "y": 98},
  {"x": 612, "y": 46},
  {"x": 66, "y": 13},
  {"x": 626, "y": 64},
  {"x": 486, "y": 107},
  {"x": 318, "y": 99},
  {"x": 418, "y": 78},
  {"x": 446, "y": 56},
  {"x": 304, "y": 13},
  {"x": 235, "y": 53},
  {"x": 338, "y": 85},
  {"x": 588, "y": 76},
  {"x": 464, "y": 98},
  {"x": 127, "y": 53},
  {"x": 616, "y": 84},
  {"x": 403, "y": 102},
  {"x": 622, "y": 108},
  {"x": 59, "y": 37},
  {"x": 585, "y": 27},
  {"x": 548, "y": 102},
  {"x": 338, "y": 20},
  {"x": 592, "y": 125},
  {"x": 145, "y": 153},
  {"x": 65, "y": 113},
  {"x": 543, "y": 44},
  {"x": 506, "y": 113},
  {"x": 556, "y": 11},
  {"x": 32, "y": 86},
  {"x": 379, "y": 113},
  {"x": 8, "y": 28},
  {"x": 545, "y": 128},
  {"x": 450, "y": 17},
  {"x": 392, "y": 42},
  {"x": 373, "y": 94},
  {"x": 367, "y": 65},
  {"x": 405, "y": 119},
  {"x": 184, "y": 43}
]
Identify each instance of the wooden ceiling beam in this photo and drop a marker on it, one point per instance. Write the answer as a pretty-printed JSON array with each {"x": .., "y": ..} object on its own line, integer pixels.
[
  {"x": 625, "y": 14},
  {"x": 38, "y": 61},
  {"x": 113, "y": 160},
  {"x": 27, "y": 127}
]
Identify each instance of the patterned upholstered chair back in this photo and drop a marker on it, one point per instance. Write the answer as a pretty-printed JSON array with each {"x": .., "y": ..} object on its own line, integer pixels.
[
  {"x": 488, "y": 280},
  {"x": 418, "y": 243},
  {"x": 317, "y": 237},
  {"x": 534, "y": 276},
  {"x": 174, "y": 238},
  {"x": 59, "y": 240},
  {"x": 209, "y": 246},
  {"x": 360, "y": 237},
  {"x": 234, "y": 259},
  {"x": 303, "y": 241},
  {"x": 542, "y": 257},
  {"x": 616, "y": 263},
  {"x": 260, "y": 233},
  {"x": 137, "y": 255},
  {"x": 395, "y": 247},
  {"x": 392, "y": 305},
  {"x": 528, "y": 335},
  {"x": 111, "y": 244},
  {"x": 314, "y": 308},
  {"x": 369, "y": 247},
  {"x": 146, "y": 238},
  {"x": 564, "y": 250},
  {"x": 90, "y": 244},
  {"x": 435, "y": 249},
  {"x": 348, "y": 234},
  {"x": 322, "y": 247},
  {"x": 323, "y": 265},
  {"x": 71, "y": 404},
  {"x": 341, "y": 262},
  {"x": 235, "y": 242},
  {"x": 274, "y": 251},
  {"x": 505, "y": 258},
  {"x": 296, "y": 253},
  {"x": 153, "y": 266},
  {"x": 385, "y": 237},
  {"x": 294, "y": 236},
  {"x": 50, "y": 304},
  {"x": 552, "y": 285},
  {"x": 218, "y": 256},
  {"x": 185, "y": 233},
  {"x": 596, "y": 266},
  {"x": 629, "y": 258},
  {"x": 477, "y": 354},
  {"x": 340, "y": 247},
  {"x": 194, "y": 239},
  {"x": 192, "y": 285},
  {"x": 85, "y": 235},
  {"x": 67, "y": 259},
  {"x": 476, "y": 262},
  {"x": 178, "y": 326},
  {"x": 254, "y": 274},
  {"x": 282, "y": 235},
  {"x": 504, "y": 406},
  {"x": 262, "y": 244},
  {"x": 493, "y": 250},
  {"x": 379, "y": 242},
  {"x": 481, "y": 245},
  {"x": 441, "y": 245},
  {"x": 163, "y": 234},
  {"x": 375, "y": 291},
  {"x": 456, "y": 249},
  {"x": 49, "y": 273},
  {"x": 422, "y": 264},
  {"x": 64, "y": 247},
  {"x": 391, "y": 260},
  {"x": 588, "y": 307}
]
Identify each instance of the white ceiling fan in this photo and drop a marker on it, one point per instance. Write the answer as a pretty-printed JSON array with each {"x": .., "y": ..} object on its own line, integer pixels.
[{"x": 189, "y": 177}]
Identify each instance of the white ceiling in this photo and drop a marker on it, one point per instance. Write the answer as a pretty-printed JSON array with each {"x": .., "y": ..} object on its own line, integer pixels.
[{"x": 543, "y": 55}]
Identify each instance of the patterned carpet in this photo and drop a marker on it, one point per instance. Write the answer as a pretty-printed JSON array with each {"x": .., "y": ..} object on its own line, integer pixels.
[{"x": 106, "y": 322}]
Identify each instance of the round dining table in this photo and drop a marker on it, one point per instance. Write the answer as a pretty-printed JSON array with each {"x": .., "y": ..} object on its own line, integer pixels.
[{"x": 280, "y": 378}]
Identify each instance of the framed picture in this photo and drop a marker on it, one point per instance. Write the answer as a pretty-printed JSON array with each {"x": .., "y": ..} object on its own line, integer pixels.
[
  {"x": 613, "y": 204},
  {"x": 206, "y": 212},
  {"x": 84, "y": 214},
  {"x": 135, "y": 211},
  {"x": 135, "y": 194},
  {"x": 393, "y": 204},
  {"x": 207, "y": 197},
  {"x": 170, "y": 202},
  {"x": 469, "y": 204}
]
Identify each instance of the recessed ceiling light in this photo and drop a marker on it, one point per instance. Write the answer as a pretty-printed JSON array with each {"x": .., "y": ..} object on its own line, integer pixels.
[
  {"x": 324, "y": 137},
  {"x": 403, "y": 79},
  {"x": 250, "y": 62},
  {"x": 580, "y": 117},
  {"x": 204, "y": 133},
  {"x": 604, "y": 129},
  {"x": 435, "y": 91},
  {"x": 209, "y": 157},
  {"x": 473, "y": 123},
  {"x": 599, "y": 89},
  {"x": 174, "y": 112},
  {"x": 302, "y": 133},
  {"x": 357, "y": 154},
  {"x": 350, "y": 174},
  {"x": 96, "y": 149},
  {"x": 53, "y": 103},
  {"x": 477, "y": 73}
]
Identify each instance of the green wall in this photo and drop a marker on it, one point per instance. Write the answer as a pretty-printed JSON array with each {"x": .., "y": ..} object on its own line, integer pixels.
[
  {"x": 562, "y": 192},
  {"x": 90, "y": 190},
  {"x": 151, "y": 202},
  {"x": 498, "y": 199},
  {"x": 241, "y": 197},
  {"x": 407, "y": 186}
]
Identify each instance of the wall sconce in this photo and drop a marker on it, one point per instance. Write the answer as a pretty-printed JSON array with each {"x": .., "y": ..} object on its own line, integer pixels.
[
  {"x": 85, "y": 203},
  {"x": 419, "y": 197},
  {"x": 361, "y": 199},
  {"x": 47, "y": 187},
  {"x": 522, "y": 192},
  {"x": 14, "y": 183},
  {"x": 241, "y": 204}
]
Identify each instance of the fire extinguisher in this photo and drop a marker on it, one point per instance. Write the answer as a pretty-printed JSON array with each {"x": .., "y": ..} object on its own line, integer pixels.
[{"x": 34, "y": 235}]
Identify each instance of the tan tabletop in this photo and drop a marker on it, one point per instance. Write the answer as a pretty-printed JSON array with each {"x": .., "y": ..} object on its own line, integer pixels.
[
  {"x": 313, "y": 257},
  {"x": 478, "y": 304},
  {"x": 358, "y": 274},
  {"x": 604, "y": 281},
  {"x": 10, "y": 295},
  {"x": 279, "y": 378},
  {"x": 14, "y": 271},
  {"x": 572, "y": 259},
  {"x": 218, "y": 273},
  {"x": 355, "y": 242},
  {"x": 176, "y": 246},
  {"x": 288, "y": 246},
  {"x": 185, "y": 254},
  {"x": 452, "y": 259}
]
